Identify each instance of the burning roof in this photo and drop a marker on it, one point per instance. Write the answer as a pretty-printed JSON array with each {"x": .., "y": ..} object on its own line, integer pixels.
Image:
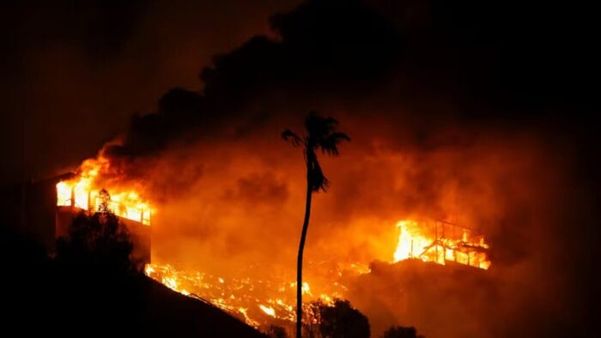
[
  {"x": 441, "y": 242},
  {"x": 83, "y": 192}
]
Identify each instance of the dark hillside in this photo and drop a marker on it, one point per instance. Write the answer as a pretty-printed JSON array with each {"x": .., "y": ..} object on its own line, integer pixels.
[{"x": 43, "y": 298}]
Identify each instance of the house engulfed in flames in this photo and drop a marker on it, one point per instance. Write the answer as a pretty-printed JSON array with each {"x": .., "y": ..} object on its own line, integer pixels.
[
  {"x": 441, "y": 242},
  {"x": 81, "y": 194}
]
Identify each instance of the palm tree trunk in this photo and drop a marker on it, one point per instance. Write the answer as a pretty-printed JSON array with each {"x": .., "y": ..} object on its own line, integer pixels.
[{"x": 301, "y": 248}]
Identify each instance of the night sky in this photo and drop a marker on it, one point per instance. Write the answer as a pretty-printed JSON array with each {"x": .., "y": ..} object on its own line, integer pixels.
[{"x": 74, "y": 72}]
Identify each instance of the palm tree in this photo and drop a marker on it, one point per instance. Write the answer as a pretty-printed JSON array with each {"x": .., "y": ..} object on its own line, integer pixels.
[{"x": 320, "y": 134}]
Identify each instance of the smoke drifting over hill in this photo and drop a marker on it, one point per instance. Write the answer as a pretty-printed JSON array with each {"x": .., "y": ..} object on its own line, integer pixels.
[{"x": 476, "y": 113}]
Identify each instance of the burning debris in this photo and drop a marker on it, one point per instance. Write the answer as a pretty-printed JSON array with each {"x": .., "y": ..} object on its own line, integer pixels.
[{"x": 259, "y": 303}]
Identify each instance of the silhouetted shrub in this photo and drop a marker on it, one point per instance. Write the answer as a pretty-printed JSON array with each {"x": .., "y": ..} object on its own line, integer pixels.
[
  {"x": 339, "y": 320},
  {"x": 275, "y": 331},
  {"x": 401, "y": 332},
  {"x": 99, "y": 241}
]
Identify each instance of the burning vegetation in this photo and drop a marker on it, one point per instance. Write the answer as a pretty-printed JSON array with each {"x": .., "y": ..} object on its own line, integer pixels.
[{"x": 269, "y": 300}]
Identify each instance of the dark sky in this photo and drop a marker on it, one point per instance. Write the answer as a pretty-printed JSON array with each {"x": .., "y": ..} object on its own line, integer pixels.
[{"x": 74, "y": 72}]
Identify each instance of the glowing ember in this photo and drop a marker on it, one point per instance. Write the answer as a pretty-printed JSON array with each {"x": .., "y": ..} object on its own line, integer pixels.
[
  {"x": 257, "y": 302},
  {"x": 82, "y": 192},
  {"x": 268, "y": 310},
  {"x": 440, "y": 244}
]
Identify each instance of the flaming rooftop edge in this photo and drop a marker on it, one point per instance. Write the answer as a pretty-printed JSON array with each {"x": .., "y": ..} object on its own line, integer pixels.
[{"x": 78, "y": 194}]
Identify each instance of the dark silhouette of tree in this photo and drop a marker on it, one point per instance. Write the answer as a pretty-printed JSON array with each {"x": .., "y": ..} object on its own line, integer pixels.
[
  {"x": 401, "y": 332},
  {"x": 321, "y": 135},
  {"x": 275, "y": 331},
  {"x": 339, "y": 320},
  {"x": 96, "y": 241}
]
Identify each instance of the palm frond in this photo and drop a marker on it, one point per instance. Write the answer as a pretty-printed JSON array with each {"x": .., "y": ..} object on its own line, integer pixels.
[
  {"x": 338, "y": 137},
  {"x": 329, "y": 145},
  {"x": 290, "y": 136},
  {"x": 318, "y": 127},
  {"x": 320, "y": 134}
]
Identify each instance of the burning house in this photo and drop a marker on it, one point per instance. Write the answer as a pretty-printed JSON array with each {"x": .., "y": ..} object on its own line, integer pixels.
[
  {"x": 441, "y": 242},
  {"x": 79, "y": 194}
]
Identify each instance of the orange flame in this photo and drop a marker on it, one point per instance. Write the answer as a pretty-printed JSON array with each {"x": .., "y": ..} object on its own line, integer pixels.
[
  {"x": 257, "y": 302},
  {"x": 447, "y": 243},
  {"x": 84, "y": 193},
  {"x": 268, "y": 310}
]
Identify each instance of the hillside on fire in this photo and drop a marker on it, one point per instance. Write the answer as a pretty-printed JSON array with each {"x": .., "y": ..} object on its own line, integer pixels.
[{"x": 300, "y": 168}]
